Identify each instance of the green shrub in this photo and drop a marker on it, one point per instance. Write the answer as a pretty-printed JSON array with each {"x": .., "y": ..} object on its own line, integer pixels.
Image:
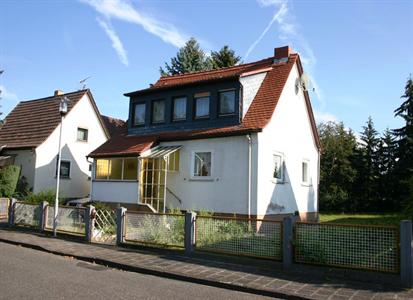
[
  {"x": 37, "y": 198},
  {"x": 101, "y": 206},
  {"x": 9, "y": 176}
]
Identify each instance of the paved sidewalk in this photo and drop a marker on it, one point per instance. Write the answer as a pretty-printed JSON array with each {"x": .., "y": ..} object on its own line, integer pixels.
[{"x": 254, "y": 276}]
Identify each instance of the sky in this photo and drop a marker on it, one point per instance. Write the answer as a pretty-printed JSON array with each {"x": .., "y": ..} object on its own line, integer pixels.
[{"x": 358, "y": 54}]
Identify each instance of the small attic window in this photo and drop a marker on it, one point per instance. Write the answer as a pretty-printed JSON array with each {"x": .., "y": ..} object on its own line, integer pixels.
[{"x": 82, "y": 134}]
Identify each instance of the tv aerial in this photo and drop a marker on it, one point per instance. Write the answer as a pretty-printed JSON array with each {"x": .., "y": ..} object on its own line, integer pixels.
[{"x": 83, "y": 82}]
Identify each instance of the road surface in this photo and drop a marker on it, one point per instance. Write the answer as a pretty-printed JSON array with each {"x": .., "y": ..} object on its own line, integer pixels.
[{"x": 31, "y": 274}]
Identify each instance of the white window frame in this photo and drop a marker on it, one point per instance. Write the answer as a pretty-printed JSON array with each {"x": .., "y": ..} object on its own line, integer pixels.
[
  {"x": 192, "y": 166},
  {"x": 308, "y": 182},
  {"x": 282, "y": 156},
  {"x": 87, "y": 133}
]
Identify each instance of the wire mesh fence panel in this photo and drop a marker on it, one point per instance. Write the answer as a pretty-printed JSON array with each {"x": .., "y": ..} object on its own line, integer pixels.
[
  {"x": 247, "y": 237},
  {"x": 27, "y": 214},
  {"x": 4, "y": 208},
  {"x": 104, "y": 228},
  {"x": 155, "y": 229},
  {"x": 69, "y": 219},
  {"x": 359, "y": 247}
]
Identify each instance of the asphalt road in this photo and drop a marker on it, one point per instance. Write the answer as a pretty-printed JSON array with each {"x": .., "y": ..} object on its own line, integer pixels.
[{"x": 31, "y": 274}]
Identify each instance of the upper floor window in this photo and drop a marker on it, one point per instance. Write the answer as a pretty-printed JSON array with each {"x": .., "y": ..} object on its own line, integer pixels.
[
  {"x": 158, "y": 111},
  {"x": 202, "y": 105},
  {"x": 139, "y": 114},
  {"x": 226, "y": 102},
  {"x": 82, "y": 134},
  {"x": 305, "y": 173},
  {"x": 179, "y": 109}
]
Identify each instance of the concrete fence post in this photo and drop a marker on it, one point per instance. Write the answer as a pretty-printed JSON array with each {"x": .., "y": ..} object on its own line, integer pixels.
[
  {"x": 43, "y": 214},
  {"x": 287, "y": 245},
  {"x": 406, "y": 264},
  {"x": 90, "y": 214},
  {"x": 190, "y": 223},
  {"x": 120, "y": 225},
  {"x": 12, "y": 205}
]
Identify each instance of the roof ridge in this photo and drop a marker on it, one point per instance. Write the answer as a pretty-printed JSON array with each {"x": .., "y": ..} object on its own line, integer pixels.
[
  {"x": 216, "y": 70},
  {"x": 49, "y": 97}
]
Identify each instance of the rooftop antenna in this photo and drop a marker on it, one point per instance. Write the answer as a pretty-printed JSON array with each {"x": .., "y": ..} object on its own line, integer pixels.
[{"x": 82, "y": 82}]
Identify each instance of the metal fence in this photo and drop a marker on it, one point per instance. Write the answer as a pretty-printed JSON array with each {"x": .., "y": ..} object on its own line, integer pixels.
[
  {"x": 4, "y": 208},
  {"x": 69, "y": 219},
  {"x": 26, "y": 214},
  {"x": 104, "y": 227},
  {"x": 349, "y": 246},
  {"x": 239, "y": 236},
  {"x": 155, "y": 229}
]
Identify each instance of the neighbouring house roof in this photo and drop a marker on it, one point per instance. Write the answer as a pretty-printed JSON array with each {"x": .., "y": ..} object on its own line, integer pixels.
[
  {"x": 113, "y": 125},
  {"x": 257, "y": 117},
  {"x": 31, "y": 122}
]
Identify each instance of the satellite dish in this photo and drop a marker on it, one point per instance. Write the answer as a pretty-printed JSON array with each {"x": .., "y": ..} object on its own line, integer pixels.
[{"x": 304, "y": 83}]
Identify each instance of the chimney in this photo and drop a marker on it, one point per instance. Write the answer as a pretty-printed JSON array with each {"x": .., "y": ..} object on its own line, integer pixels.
[
  {"x": 282, "y": 54},
  {"x": 58, "y": 93}
]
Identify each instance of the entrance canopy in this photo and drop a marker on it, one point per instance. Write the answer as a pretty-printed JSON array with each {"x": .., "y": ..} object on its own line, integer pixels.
[{"x": 154, "y": 166}]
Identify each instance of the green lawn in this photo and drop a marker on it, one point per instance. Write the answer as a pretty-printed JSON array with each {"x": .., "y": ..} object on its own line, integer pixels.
[{"x": 366, "y": 219}]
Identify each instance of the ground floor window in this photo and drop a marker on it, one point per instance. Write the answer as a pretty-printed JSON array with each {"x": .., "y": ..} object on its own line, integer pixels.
[
  {"x": 202, "y": 164},
  {"x": 116, "y": 169},
  {"x": 278, "y": 167},
  {"x": 64, "y": 168},
  {"x": 305, "y": 176}
]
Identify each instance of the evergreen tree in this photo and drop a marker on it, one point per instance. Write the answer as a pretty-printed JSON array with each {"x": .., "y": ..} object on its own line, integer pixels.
[
  {"x": 404, "y": 166},
  {"x": 387, "y": 163},
  {"x": 225, "y": 57},
  {"x": 365, "y": 191},
  {"x": 337, "y": 173},
  {"x": 190, "y": 58}
]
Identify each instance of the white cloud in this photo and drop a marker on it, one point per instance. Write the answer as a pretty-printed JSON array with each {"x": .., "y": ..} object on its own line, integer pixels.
[
  {"x": 6, "y": 95},
  {"x": 124, "y": 11},
  {"x": 323, "y": 117},
  {"x": 116, "y": 42},
  {"x": 8, "y": 100}
]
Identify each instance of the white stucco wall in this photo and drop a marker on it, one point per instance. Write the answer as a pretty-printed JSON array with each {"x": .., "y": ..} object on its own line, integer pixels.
[
  {"x": 26, "y": 159},
  {"x": 115, "y": 191},
  {"x": 289, "y": 132},
  {"x": 227, "y": 191},
  {"x": 82, "y": 115},
  {"x": 250, "y": 86}
]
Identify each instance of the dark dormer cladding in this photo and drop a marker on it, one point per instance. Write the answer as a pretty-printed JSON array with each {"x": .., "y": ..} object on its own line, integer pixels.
[{"x": 204, "y": 105}]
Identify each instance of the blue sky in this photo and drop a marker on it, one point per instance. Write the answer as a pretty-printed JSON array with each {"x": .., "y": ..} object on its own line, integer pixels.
[{"x": 358, "y": 53}]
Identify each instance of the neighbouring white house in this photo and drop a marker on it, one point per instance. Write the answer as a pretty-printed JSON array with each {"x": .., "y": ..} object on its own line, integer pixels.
[
  {"x": 239, "y": 140},
  {"x": 30, "y": 135}
]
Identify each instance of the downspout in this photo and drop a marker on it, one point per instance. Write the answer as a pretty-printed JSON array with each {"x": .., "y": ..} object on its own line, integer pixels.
[
  {"x": 318, "y": 184},
  {"x": 249, "y": 173},
  {"x": 92, "y": 174}
]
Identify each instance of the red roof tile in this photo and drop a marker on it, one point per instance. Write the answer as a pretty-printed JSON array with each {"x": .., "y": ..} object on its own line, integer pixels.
[
  {"x": 256, "y": 118},
  {"x": 113, "y": 125}
]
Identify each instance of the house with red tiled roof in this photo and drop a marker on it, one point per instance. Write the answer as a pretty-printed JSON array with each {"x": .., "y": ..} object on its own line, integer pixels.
[
  {"x": 30, "y": 135},
  {"x": 238, "y": 140}
]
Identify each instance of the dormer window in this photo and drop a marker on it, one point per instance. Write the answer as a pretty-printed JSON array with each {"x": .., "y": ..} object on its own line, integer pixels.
[
  {"x": 179, "y": 109},
  {"x": 139, "y": 114},
  {"x": 201, "y": 105},
  {"x": 158, "y": 111},
  {"x": 227, "y": 102}
]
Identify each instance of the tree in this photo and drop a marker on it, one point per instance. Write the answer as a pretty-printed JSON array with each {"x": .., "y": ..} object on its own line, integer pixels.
[
  {"x": 225, "y": 57},
  {"x": 190, "y": 58},
  {"x": 367, "y": 165},
  {"x": 337, "y": 172},
  {"x": 404, "y": 135}
]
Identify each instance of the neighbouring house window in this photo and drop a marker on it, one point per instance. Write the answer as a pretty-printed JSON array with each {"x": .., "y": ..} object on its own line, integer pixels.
[
  {"x": 179, "y": 109},
  {"x": 226, "y": 102},
  {"x": 305, "y": 177},
  {"x": 278, "y": 169},
  {"x": 202, "y": 107},
  {"x": 64, "y": 168},
  {"x": 116, "y": 169},
  {"x": 82, "y": 134},
  {"x": 139, "y": 114},
  {"x": 202, "y": 162},
  {"x": 158, "y": 111}
]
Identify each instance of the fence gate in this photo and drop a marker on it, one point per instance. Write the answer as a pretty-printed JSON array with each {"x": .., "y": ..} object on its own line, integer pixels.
[{"x": 104, "y": 227}]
